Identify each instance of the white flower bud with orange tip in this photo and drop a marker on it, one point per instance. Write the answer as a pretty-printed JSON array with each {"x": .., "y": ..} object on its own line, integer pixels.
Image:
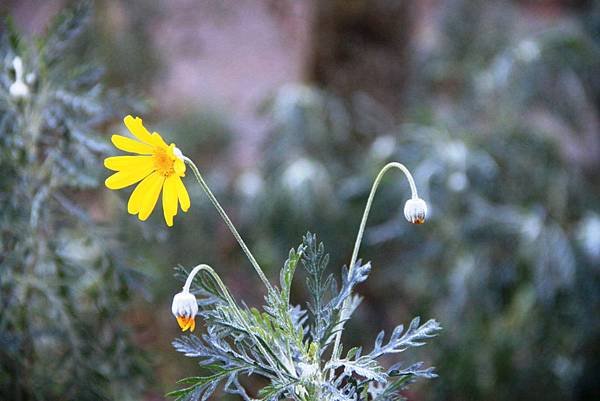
[
  {"x": 185, "y": 309},
  {"x": 185, "y": 306},
  {"x": 415, "y": 210}
]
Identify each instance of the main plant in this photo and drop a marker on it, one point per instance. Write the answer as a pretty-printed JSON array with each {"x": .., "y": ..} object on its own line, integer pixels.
[{"x": 297, "y": 350}]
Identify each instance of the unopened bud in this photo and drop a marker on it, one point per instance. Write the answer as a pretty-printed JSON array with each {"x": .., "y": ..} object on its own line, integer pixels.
[
  {"x": 185, "y": 308},
  {"x": 415, "y": 210},
  {"x": 18, "y": 89}
]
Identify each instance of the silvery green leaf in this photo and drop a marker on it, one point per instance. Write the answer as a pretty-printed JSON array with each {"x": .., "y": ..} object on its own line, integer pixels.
[{"x": 413, "y": 337}]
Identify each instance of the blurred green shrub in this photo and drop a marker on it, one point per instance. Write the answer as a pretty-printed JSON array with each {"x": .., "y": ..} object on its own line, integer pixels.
[{"x": 63, "y": 285}]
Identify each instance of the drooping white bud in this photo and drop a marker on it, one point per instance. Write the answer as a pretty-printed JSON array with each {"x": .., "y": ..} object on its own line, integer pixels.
[
  {"x": 415, "y": 210},
  {"x": 184, "y": 305},
  {"x": 185, "y": 308}
]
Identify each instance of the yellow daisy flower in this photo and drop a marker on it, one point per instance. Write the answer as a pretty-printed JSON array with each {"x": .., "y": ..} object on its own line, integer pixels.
[{"x": 156, "y": 164}]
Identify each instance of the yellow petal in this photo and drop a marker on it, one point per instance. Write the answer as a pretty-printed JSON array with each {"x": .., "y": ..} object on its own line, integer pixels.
[
  {"x": 138, "y": 195},
  {"x": 186, "y": 322},
  {"x": 126, "y": 178},
  {"x": 182, "y": 194},
  {"x": 158, "y": 141},
  {"x": 151, "y": 196},
  {"x": 179, "y": 167},
  {"x": 169, "y": 199},
  {"x": 181, "y": 321},
  {"x": 131, "y": 145},
  {"x": 118, "y": 163},
  {"x": 135, "y": 126}
]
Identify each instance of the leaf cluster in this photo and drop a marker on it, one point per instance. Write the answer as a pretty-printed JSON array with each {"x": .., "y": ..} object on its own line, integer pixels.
[{"x": 287, "y": 345}]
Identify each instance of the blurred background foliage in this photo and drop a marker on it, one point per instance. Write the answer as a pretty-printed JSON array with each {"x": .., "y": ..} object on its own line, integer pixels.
[
  {"x": 65, "y": 280},
  {"x": 290, "y": 108}
]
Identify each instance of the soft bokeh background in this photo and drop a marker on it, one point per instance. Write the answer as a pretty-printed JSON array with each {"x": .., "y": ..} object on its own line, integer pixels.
[{"x": 290, "y": 107}]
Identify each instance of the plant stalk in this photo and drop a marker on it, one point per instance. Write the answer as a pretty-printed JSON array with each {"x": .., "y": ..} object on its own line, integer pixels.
[
  {"x": 229, "y": 224},
  {"x": 361, "y": 230}
]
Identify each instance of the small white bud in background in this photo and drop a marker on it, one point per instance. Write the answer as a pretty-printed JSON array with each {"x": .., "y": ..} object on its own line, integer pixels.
[
  {"x": 415, "y": 210},
  {"x": 18, "y": 89}
]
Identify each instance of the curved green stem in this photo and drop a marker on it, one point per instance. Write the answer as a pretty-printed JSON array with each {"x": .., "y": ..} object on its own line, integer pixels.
[
  {"x": 233, "y": 304},
  {"x": 228, "y": 222},
  {"x": 361, "y": 230},
  {"x": 363, "y": 222}
]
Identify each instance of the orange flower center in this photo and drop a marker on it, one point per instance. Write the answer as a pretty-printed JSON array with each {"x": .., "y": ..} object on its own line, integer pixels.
[{"x": 164, "y": 162}]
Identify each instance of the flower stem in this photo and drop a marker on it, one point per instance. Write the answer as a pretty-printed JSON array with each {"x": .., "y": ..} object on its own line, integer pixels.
[
  {"x": 190, "y": 277},
  {"x": 268, "y": 355},
  {"x": 361, "y": 230},
  {"x": 363, "y": 222},
  {"x": 228, "y": 222}
]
